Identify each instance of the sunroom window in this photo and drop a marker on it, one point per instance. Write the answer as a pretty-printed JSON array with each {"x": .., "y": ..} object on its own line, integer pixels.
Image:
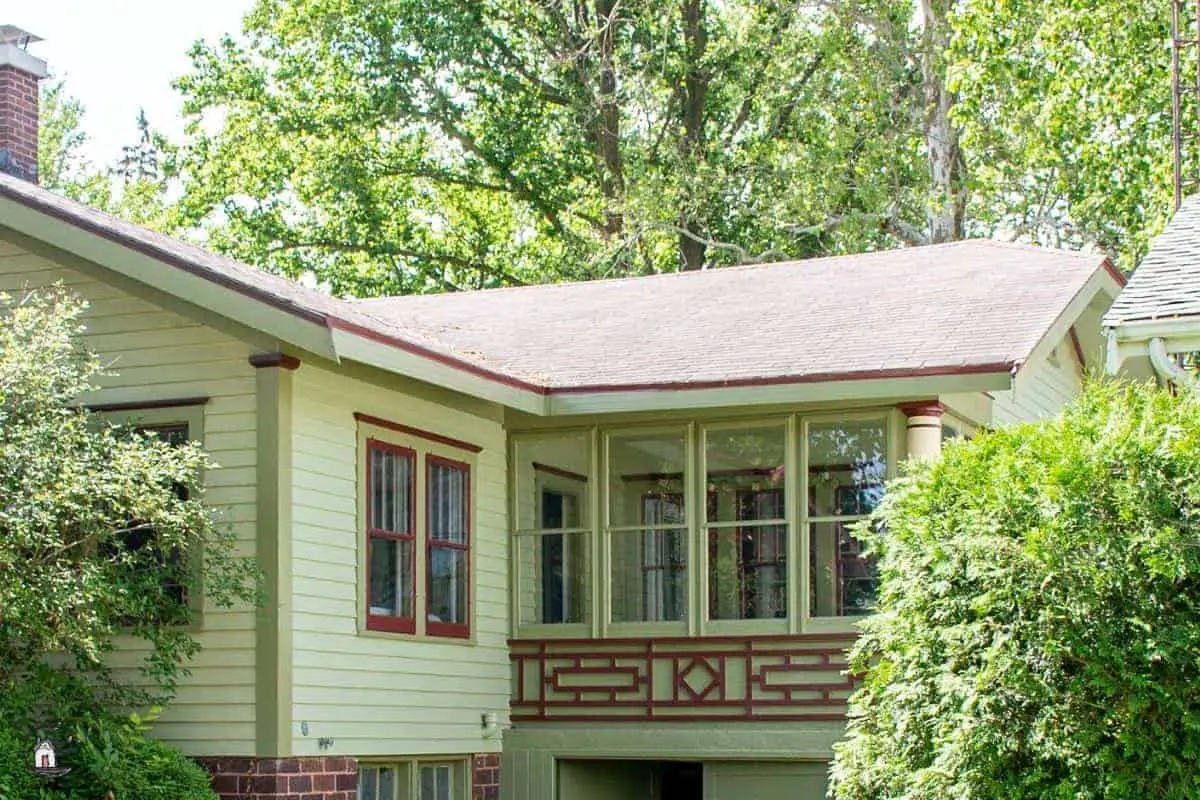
[
  {"x": 698, "y": 528},
  {"x": 746, "y": 522},
  {"x": 554, "y": 528},
  {"x": 847, "y": 467},
  {"x": 647, "y": 526}
]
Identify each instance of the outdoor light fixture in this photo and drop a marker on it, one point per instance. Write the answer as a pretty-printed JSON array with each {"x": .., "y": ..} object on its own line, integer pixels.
[{"x": 490, "y": 724}]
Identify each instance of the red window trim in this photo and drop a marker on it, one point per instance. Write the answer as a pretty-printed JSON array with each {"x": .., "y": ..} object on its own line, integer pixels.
[
  {"x": 379, "y": 622},
  {"x": 451, "y": 630},
  {"x": 378, "y": 422}
]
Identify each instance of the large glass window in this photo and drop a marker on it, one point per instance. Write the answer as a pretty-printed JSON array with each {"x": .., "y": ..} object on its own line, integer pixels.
[
  {"x": 553, "y": 543},
  {"x": 648, "y": 526},
  {"x": 746, "y": 522},
  {"x": 448, "y": 489},
  {"x": 847, "y": 467},
  {"x": 391, "y": 537},
  {"x": 760, "y": 503}
]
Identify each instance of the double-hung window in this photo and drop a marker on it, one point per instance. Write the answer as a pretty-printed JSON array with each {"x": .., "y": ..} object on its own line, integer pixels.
[
  {"x": 391, "y": 537},
  {"x": 418, "y": 520},
  {"x": 448, "y": 546}
]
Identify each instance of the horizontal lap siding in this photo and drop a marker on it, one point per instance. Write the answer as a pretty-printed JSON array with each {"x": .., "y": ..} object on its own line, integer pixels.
[
  {"x": 158, "y": 354},
  {"x": 1041, "y": 389},
  {"x": 371, "y": 693}
]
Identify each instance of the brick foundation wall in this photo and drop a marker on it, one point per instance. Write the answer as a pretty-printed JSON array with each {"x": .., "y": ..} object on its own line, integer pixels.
[
  {"x": 328, "y": 778},
  {"x": 19, "y": 121},
  {"x": 485, "y": 777}
]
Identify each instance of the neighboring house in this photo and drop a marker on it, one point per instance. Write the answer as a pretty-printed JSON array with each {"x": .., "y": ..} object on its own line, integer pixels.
[
  {"x": 1156, "y": 318},
  {"x": 601, "y": 529}
]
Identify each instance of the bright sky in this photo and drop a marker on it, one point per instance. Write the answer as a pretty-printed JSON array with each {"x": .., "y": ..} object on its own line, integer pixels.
[{"x": 119, "y": 55}]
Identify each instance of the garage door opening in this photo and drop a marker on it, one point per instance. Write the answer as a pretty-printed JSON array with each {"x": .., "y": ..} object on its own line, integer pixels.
[{"x": 614, "y": 779}]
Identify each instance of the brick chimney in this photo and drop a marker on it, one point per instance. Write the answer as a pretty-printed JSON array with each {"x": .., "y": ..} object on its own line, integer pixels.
[{"x": 19, "y": 76}]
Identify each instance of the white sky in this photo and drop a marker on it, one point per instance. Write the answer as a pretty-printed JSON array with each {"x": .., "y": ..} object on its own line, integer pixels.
[{"x": 119, "y": 55}]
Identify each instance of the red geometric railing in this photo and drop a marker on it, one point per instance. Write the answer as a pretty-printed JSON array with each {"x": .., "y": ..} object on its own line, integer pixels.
[{"x": 781, "y": 678}]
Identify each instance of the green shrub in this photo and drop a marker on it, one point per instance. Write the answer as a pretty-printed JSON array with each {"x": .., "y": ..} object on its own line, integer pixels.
[
  {"x": 106, "y": 752},
  {"x": 1038, "y": 633}
]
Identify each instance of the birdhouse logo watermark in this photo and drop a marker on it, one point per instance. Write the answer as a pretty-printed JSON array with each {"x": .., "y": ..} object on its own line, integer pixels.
[{"x": 45, "y": 760}]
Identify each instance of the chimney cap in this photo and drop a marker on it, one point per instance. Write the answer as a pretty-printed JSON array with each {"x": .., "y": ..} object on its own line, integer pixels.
[{"x": 11, "y": 34}]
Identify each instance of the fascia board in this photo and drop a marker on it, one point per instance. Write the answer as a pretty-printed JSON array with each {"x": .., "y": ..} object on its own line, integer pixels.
[
  {"x": 562, "y": 405},
  {"x": 353, "y": 347},
  {"x": 1101, "y": 281},
  {"x": 306, "y": 334}
]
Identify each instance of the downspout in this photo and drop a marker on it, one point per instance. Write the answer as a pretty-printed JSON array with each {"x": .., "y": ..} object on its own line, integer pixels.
[{"x": 1166, "y": 367}]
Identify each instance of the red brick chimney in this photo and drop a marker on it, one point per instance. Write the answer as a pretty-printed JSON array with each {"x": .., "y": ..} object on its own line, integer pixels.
[{"x": 19, "y": 76}]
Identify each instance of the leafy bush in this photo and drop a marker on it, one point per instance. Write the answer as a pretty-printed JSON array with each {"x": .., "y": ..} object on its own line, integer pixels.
[
  {"x": 106, "y": 752},
  {"x": 1038, "y": 633}
]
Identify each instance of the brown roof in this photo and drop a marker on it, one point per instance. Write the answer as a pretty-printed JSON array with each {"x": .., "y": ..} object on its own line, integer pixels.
[
  {"x": 977, "y": 306},
  {"x": 974, "y": 306}
]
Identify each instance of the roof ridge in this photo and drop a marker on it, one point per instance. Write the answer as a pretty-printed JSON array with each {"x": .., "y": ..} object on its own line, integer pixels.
[{"x": 1095, "y": 259}]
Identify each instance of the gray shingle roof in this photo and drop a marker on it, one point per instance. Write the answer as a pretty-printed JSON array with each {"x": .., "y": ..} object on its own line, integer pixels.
[
  {"x": 1167, "y": 282},
  {"x": 976, "y": 306},
  {"x": 971, "y": 306}
]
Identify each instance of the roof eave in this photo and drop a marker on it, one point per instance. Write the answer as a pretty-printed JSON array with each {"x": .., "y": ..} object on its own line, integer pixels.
[{"x": 846, "y": 388}]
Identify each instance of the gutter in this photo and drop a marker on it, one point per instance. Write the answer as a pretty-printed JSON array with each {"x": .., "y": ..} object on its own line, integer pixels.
[{"x": 1166, "y": 367}]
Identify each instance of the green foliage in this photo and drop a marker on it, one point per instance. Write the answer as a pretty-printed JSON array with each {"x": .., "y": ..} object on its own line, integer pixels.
[
  {"x": 398, "y": 146},
  {"x": 1038, "y": 633},
  {"x": 100, "y": 526},
  {"x": 105, "y": 752},
  {"x": 1065, "y": 109}
]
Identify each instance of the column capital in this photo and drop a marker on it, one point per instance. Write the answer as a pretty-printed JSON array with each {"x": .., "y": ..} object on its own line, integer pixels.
[{"x": 924, "y": 408}]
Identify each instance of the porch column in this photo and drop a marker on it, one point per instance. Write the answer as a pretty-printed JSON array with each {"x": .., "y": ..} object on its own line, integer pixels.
[{"x": 924, "y": 428}]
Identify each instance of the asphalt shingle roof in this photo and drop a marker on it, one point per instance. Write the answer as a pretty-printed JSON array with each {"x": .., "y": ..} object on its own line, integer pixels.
[
  {"x": 1167, "y": 282},
  {"x": 975, "y": 306},
  {"x": 961, "y": 307}
]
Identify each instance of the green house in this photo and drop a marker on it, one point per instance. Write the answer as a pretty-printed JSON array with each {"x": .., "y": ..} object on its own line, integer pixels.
[{"x": 566, "y": 542}]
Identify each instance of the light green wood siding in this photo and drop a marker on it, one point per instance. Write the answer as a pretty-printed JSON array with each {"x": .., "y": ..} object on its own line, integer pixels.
[
  {"x": 159, "y": 354},
  {"x": 1041, "y": 388},
  {"x": 377, "y": 693}
]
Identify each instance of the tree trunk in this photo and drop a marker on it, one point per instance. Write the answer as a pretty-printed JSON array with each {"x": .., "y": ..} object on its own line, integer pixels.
[
  {"x": 695, "y": 97},
  {"x": 948, "y": 202},
  {"x": 608, "y": 134}
]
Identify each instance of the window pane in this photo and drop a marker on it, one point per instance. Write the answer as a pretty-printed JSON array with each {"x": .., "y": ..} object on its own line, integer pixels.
[
  {"x": 368, "y": 784},
  {"x": 646, "y": 466},
  {"x": 843, "y": 581},
  {"x": 847, "y": 465},
  {"x": 558, "y": 464},
  {"x": 390, "y": 577},
  {"x": 748, "y": 572},
  {"x": 447, "y": 512},
  {"x": 447, "y": 585},
  {"x": 742, "y": 464},
  {"x": 437, "y": 782},
  {"x": 649, "y": 575},
  {"x": 555, "y": 571},
  {"x": 390, "y": 500},
  {"x": 387, "y": 783}
]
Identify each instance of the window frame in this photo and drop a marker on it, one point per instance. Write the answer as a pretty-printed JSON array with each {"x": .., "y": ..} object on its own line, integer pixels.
[
  {"x": 610, "y": 627},
  {"x": 423, "y": 445},
  {"x": 546, "y": 478},
  {"x": 383, "y": 622},
  {"x": 408, "y": 774},
  {"x": 164, "y": 414},
  {"x": 453, "y": 630},
  {"x": 797, "y": 522}
]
